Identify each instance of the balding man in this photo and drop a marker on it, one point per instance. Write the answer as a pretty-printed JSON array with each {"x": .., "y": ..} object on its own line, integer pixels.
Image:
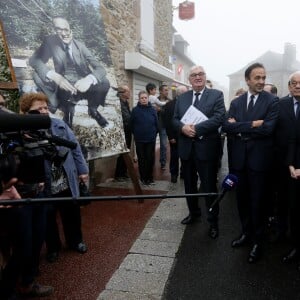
[{"x": 77, "y": 74}]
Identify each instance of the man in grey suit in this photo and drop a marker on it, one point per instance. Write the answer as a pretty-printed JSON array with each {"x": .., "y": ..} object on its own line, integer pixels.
[
  {"x": 77, "y": 74},
  {"x": 199, "y": 144}
]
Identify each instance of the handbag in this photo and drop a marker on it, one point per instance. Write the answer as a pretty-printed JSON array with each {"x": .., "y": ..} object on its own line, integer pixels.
[{"x": 84, "y": 192}]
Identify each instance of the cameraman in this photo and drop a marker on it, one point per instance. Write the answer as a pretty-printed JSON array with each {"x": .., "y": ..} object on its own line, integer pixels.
[
  {"x": 24, "y": 226},
  {"x": 61, "y": 181}
]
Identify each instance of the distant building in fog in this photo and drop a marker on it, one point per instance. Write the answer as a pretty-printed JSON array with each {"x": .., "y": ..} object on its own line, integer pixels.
[{"x": 278, "y": 67}]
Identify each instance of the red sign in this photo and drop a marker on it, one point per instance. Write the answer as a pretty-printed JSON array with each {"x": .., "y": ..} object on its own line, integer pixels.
[
  {"x": 186, "y": 10},
  {"x": 179, "y": 69}
]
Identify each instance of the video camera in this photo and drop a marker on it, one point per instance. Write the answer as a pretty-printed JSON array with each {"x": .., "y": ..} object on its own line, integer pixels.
[{"x": 25, "y": 144}]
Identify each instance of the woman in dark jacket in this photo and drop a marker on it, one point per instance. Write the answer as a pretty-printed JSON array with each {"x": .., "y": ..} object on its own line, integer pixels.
[{"x": 144, "y": 125}]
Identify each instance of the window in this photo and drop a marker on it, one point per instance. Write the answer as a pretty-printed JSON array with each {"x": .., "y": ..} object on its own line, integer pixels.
[{"x": 147, "y": 25}]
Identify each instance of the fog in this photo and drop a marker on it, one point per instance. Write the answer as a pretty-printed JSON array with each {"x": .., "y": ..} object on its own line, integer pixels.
[{"x": 225, "y": 35}]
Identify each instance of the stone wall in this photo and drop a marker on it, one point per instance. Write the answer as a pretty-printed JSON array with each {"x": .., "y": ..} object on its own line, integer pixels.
[{"x": 122, "y": 25}]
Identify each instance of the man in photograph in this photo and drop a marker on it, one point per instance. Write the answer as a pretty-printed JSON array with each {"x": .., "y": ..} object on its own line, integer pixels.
[{"x": 76, "y": 75}]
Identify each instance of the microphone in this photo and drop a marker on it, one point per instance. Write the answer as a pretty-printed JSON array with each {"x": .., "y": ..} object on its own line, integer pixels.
[
  {"x": 228, "y": 184},
  {"x": 15, "y": 122}
]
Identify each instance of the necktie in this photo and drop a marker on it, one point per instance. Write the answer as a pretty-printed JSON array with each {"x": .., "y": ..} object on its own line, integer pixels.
[
  {"x": 197, "y": 100},
  {"x": 68, "y": 54},
  {"x": 298, "y": 110},
  {"x": 251, "y": 104}
]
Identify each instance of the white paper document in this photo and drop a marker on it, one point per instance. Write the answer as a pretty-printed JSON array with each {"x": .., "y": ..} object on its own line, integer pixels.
[{"x": 193, "y": 116}]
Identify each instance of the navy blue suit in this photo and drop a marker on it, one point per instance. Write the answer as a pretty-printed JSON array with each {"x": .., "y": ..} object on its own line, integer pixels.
[
  {"x": 281, "y": 175},
  {"x": 201, "y": 153},
  {"x": 293, "y": 158},
  {"x": 250, "y": 155}
]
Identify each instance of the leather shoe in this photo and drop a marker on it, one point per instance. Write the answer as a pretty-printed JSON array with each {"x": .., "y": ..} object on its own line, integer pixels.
[
  {"x": 191, "y": 218},
  {"x": 188, "y": 220},
  {"x": 213, "y": 231},
  {"x": 254, "y": 254},
  {"x": 242, "y": 240},
  {"x": 293, "y": 255}
]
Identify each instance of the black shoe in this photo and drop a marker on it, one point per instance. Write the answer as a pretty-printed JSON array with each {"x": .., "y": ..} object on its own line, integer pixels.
[
  {"x": 93, "y": 112},
  {"x": 188, "y": 220},
  {"x": 242, "y": 240},
  {"x": 81, "y": 248},
  {"x": 173, "y": 178},
  {"x": 52, "y": 257},
  {"x": 191, "y": 218},
  {"x": 213, "y": 231},
  {"x": 254, "y": 254},
  {"x": 293, "y": 255}
]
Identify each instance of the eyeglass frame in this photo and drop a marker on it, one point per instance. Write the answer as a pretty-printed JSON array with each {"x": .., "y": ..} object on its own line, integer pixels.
[{"x": 194, "y": 75}]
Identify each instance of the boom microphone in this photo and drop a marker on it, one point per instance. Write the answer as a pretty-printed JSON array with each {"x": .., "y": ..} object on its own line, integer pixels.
[
  {"x": 228, "y": 184},
  {"x": 15, "y": 122}
]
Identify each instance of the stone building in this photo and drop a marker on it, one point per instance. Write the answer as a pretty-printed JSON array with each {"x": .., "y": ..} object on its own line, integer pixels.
[
  {"x": 139, "y": 35},
  {"x": 278, "y": 67}
]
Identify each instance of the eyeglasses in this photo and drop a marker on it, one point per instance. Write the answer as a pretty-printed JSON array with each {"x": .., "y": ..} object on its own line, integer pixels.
[
  {"x": 64, "y": 30},
  {"x": 194, "y": 75},
  {"x": 294, "y": 83}
]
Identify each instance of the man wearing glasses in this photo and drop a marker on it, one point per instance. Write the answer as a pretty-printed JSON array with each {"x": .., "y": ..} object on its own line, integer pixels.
[
  {"x": 77, "y": 74},
  {"x": 199, "y": 144},
  {"x": 287, "y": 208}
]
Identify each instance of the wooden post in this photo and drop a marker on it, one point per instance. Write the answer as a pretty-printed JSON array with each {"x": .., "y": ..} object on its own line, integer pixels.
[
  {"x": 12, "y": 83},
  {"x": 136, "y": 184}
]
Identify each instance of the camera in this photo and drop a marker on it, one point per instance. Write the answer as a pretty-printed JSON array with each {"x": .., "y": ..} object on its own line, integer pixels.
[{"x": 25, "y": 144}]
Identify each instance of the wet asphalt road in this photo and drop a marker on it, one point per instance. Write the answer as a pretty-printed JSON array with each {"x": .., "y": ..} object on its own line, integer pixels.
[{"x": 211, "y": 270}]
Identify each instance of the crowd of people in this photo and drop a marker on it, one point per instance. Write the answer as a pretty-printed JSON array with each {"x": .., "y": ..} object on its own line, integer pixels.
[
  {"x": 262, "y": 132},
  {"x": 263, "y": 141}
]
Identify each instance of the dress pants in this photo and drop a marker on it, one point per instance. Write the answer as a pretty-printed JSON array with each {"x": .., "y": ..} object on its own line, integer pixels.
[
  {"x": 207, "y": 172},
  {"x": 294, "y": 212},
  {"x": 251, "y": 202},
  {"x": 174, "y": 160}
]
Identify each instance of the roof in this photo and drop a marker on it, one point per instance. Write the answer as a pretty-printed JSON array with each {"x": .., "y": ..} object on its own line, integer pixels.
[{"x": 272, "y": 61}]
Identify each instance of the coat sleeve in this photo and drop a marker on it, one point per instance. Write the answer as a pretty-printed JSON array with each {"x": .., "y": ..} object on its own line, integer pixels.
[
  {"x": 77, "y": 154},
  {"x": 266, "y": 129},
  {"x": 215, "y": 118}
]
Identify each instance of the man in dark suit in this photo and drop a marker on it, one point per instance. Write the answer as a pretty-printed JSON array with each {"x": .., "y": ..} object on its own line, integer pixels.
[
  {"x": 199, "y": 144},
  {"x": 77, "y": 74},
  {"x": 251, "y": 122},
  {"x": 167, "y": 118},
  {"x": 287, "y": 153},
  {"x": 280, "y": 174}
]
